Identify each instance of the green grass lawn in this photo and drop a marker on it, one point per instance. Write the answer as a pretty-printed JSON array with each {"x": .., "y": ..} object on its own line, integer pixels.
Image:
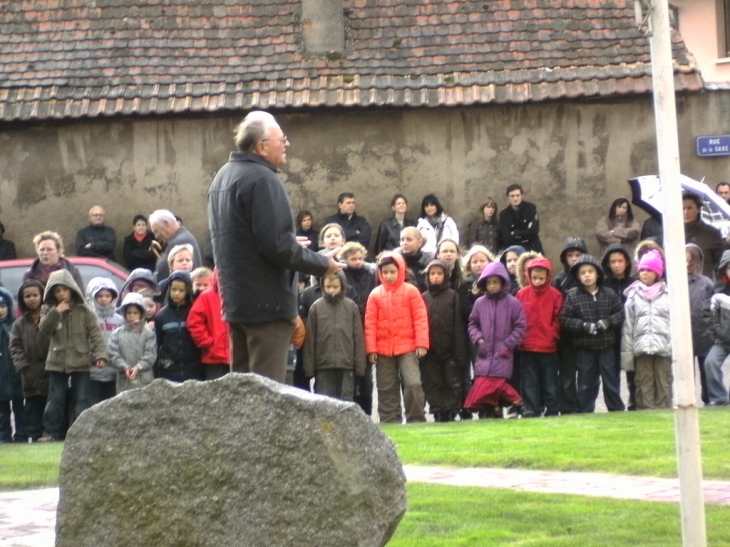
[
  {"x": 25, "y": 466},
  {"x": 631, "y": 443}
]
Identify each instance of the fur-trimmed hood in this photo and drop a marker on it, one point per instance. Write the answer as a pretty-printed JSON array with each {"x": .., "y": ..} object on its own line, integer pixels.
[{"x": 520, "y": 270}]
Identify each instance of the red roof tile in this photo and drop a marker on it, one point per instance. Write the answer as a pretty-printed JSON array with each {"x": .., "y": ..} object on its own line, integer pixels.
[{"x": 90, "y": 58}]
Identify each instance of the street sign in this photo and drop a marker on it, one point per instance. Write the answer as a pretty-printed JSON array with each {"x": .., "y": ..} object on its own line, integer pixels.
[{"x": 715, "y": 145}]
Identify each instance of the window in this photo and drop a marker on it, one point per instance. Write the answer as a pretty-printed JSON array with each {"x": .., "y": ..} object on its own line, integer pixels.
[{"x": 723, "y": 24}]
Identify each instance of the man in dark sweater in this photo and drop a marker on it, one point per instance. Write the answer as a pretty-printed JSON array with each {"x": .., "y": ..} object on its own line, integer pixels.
[
  {"x": 356, "y": 228},
  {"x": 518, "y": 223},
  {"x": 96, "y": 240}
]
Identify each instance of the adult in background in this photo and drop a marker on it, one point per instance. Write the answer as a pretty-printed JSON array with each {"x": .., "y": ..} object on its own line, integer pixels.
[
  {"x": 171, "y": 232},
  {"x": 49, "y": 247},
  {"x": 518, "y": 223},
  {"x": 137, "y": 246},
  {"x": 618, "y": 227},
  {"x": 7, "y": 248},
  {"x": 96, "y": 240},
  {"x": 485, "y": 229},
  {"x": 435, "y": 225},
  {"x": 388, "y": 238},
  {"x": 256, "y": 251},
  {"x": 305, "y": 228},
  {"x": 356, "y": 228},
  {"x": 706, "y": 237},
  {"x": 723, "y": 190}
]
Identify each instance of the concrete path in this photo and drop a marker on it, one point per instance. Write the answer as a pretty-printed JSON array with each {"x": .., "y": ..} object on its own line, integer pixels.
[{"x": 28, "y": 518}]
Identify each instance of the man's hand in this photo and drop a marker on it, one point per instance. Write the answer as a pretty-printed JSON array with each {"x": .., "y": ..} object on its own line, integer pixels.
[
  {"x": 303, "y": 241},
  {"x": 100, "y": 363},
  {"x": 332, "y": 265},
  {"x": 421, "y": 352},
  {"x": 373, "y": 358}
]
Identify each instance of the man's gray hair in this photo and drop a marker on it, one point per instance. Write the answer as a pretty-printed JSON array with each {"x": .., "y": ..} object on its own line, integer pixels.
[
  {"x": 253, "y": 129},
  {"x": 162, "y": 216}
]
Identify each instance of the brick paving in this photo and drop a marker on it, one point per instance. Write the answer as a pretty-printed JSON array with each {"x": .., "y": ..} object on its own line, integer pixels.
[{"x": 28, "y": 518}]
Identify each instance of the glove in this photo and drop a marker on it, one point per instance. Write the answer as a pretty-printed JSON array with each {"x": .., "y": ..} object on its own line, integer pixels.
[
  {"x": 590, "y": 328},
  {"x": 602, "y": 325}
]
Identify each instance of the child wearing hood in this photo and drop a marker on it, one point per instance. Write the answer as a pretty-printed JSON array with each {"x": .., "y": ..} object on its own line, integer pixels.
[
  {"x": 509, "y": 258},
  {"x": 539, "y": 349},
  {"x": 11, "y": 388},
  {"x": 334, "y": 350},
  {"x": 102, "y": 296},
  {"x": 76, "y": 342},
  {"x": 717, "y": 318},
  {"x": 700, "y": 293},
  {"x": 210, "y": 331},
  {"x": 441, "y": 368},
  {"x": 179, "y": 357},
  {"x": 133, "y": 347},
  {"x": 29, "y": 348},
  {"x": 592, "y": 312},
  {"x": 396, "y": 336},
  {"x": 496, "y": 326},
  {"x": 646, "y": 341}
]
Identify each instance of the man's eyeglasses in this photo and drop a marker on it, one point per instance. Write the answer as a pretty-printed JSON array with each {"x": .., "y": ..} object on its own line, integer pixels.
[{"x": 281, "y": 139}]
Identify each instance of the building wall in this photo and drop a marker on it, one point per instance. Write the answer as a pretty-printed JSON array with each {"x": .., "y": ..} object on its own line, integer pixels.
[
  {"x": 572, "y": 159},
  {"x": 702, "y": 33}
]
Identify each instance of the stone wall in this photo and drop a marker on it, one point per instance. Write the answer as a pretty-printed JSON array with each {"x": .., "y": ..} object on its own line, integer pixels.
[{"x": 572, "y": 159}]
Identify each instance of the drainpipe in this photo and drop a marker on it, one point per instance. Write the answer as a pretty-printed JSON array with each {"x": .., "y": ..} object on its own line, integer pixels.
[{"x": 323, "y": 27}]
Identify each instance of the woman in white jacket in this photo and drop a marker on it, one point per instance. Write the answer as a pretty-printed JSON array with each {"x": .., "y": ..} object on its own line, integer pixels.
[
  {"x": 435, "y": 225},
  {"x": 646, "y": 345}
]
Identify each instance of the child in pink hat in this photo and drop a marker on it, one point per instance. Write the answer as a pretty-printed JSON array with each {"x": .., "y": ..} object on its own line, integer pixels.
[{"x": 645, "y": 345}]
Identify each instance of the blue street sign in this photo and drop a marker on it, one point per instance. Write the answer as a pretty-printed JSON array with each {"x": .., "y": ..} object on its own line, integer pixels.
[{"x": 715, "y": 145}]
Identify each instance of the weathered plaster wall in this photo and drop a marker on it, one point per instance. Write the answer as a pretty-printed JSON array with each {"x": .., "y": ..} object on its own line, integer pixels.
[{"x": 573, "y": 159}]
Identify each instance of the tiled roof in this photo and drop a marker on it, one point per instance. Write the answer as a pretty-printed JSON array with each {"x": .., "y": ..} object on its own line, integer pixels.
[{"x": 91, "y": 58}]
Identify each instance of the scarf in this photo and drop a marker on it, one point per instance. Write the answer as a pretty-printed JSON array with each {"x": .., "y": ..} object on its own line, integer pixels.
[{"x": 649, "y": 293}]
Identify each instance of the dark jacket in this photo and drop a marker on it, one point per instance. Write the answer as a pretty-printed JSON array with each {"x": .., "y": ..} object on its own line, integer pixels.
[
  {"x": 707, "y": 238},
  {"x": 416, "y": 264},
  {"x": 652, "y": 229},
  {"x": 362, "y": 281},
  {"x": 7, "y": 250},
  {"x": 356, "y": 228},
  {"x": 498, "y": 319},
  {"x": 468, "y": 294},
  {"x": 484, "y": 233},
  {"x": 313, "y": 236},
  {"x": 256, "y": 252},
  {"x": 520, "y": 227},
  {"x": 388, "y": 238},
  {"x": 563, "y": 281},
  {"x": 39, "y": 273},
  {"x": 335, "y": 338},
  {"x": 618, "y": 285},
  {"x": 582, "y": 308},
  {"x": 717, "y": 312},
  {"x": 11, "y": 387},
  {"x": 700, "y": 293},
  {"x": 137, "y": 254},
  {"x": 103, "y": 239},
  {"x": 179, "y": 357},
  {"x": 181, "y": 237},
  {"x": 29, "y": 347},
  {"x": 445, "y": 324},
  {"x": 311, "y": 294}
]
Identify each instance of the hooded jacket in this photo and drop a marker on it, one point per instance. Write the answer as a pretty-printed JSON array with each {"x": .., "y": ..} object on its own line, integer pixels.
[
  {"x": 563, "y": 281},
  {"x": 179, "y": 357},
  {"x": 542, "y": 307},
  {"x": 519, "y": 251},
  {"x": 700, "y": 293},
  {"x": 717, "y": 313},
  {"x": 499, "y": 320},
  {"x": 207, "y": 327},
  {"x": 76, "y": 339},
  {"x": 133, "y": 345},
  {"x": 523, "y": 280},
  {"x": 445, "y": 323},
  {"x": 334, "y": 334},
  {"x": 29, "y": 347},
  {"x": 396, "y": 321},
  {"x": 619, "y": 285},
  {"x": 140, "y": 274},
  {"x": 646, "y": 327},
  {"x": 11, "y": 387},
  {"x": 582, "y": 308},
  {"x": 108, "y": 318}
]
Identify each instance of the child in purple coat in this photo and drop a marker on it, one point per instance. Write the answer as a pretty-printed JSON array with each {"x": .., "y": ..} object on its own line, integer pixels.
[{"x": 496, "y": 325}]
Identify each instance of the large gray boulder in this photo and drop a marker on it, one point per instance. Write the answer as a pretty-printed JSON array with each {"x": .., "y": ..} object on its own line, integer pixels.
[{"x": 238, "y": 461}]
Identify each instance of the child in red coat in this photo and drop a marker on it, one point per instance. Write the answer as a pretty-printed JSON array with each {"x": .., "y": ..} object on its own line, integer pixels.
[
  {"x": 396, "y": 336},
  {"x": 539, "y": 349},
  {"x": 210, "y": 332}
]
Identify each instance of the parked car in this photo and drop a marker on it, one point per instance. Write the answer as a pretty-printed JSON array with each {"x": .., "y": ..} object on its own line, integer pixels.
[{"x": 11, "y": 271}]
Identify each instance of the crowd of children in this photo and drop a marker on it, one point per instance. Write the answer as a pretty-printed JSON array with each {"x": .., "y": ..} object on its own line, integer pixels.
[{"x": 497, "y": 336}]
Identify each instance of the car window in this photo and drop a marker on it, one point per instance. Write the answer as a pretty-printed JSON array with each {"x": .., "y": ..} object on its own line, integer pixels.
[
  {"x": 90, "y": 271},
  {"x": 12, "y": 277}
]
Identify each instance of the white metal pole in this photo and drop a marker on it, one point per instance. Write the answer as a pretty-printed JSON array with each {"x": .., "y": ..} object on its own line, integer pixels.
[{"x": 686, "y": 418}]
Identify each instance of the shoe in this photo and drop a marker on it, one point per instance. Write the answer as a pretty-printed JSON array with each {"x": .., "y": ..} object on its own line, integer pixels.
[
  {"x": 465, "y": 414},
  {"x": 513, "y": 413},
  {"x": 527, "y": 413},
  {"x": 47, "y": 439},
  {"x": 498, "y": 413}
]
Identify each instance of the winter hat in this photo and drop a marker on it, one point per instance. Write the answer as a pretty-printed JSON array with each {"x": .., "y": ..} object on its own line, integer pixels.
[{"x": 653, "y": 262}]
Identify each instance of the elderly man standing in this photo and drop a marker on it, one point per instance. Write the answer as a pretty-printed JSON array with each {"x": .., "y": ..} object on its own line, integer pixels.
[
  {"x": 96, "y": 239},
  {"x": 256, "y": 250},
  {"x": 169, "y": 231}
]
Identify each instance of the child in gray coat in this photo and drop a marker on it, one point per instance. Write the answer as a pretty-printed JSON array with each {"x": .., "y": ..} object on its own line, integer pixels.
[{"x": 132, "y": 347}]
